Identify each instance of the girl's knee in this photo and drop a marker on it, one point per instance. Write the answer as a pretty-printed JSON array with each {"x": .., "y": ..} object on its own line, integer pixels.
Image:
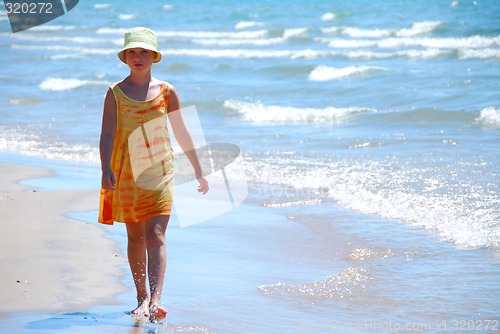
[
  {"x": 155, "y": 231},
  {"x": 155, "y": 239}
]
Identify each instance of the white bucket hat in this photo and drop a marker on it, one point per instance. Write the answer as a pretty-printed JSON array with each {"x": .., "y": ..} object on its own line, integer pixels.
[{"x": 140, "y": 38}]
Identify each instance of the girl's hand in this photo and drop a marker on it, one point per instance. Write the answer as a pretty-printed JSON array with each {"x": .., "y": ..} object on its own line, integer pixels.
[
  {"x": 108, "y": 181},
  {"x": 203, "y": 188}
]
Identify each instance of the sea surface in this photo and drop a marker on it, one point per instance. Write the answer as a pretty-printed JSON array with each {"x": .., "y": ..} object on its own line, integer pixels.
[{"x": 370, "y": 140}]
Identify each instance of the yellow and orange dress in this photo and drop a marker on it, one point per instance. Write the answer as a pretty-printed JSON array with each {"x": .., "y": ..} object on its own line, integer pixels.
[{"x": 142, "y": 160}]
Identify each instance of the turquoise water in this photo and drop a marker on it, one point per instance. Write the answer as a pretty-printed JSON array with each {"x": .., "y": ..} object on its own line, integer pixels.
[{"x": 370, "y": 138}]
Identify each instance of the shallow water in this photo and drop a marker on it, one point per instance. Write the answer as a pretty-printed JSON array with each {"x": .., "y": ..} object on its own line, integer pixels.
[{"x": 369, "y": 135}]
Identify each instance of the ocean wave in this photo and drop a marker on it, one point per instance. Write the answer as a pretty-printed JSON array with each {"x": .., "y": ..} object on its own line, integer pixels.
[
  {"x": 324, "y": 73},
  {"x": 478, "y": 53},
  {"x": 61, "y": 38},
  {"x": 239, "y": 41},
  {"x": 49, "y": 27},
  {"x": 328, "y": 17},
  {"x": 473, "y": 42},
  {"x": 59, "y": 84},
  {"x": 307, "y": 53},
  {"x": 340, "y": 286},
  {"x": 295, "y": 32},
  {"x": 126, "y": 17},
  {"x": 348, "y": 43},
  {"x": 254, "y": 53},
  {"x": 489, "y": 118},
  {"x": 231, "y": 45},
  {"x": 192, "y": 34},
  {"x": 481, "y": 45},
  {"x": 417, "y": 28},
  {"x": 80, "y": 50},
  {"x": 235, "y": 40},
  {"x": 411, "y": 54},
  {"x": 250, "y": 53},
  {"x": 461, "y": 208},
  {"x": 248, "y": 24},
  {"x": 29, "y": 143},
  {"x": 102, "y": 6},
  {"x": 271, "y": 114},
  {"x": 357, "y": 32}
]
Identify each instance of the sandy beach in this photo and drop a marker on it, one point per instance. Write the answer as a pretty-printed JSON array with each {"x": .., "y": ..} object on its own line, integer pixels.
[{"x": 51, "y": 263}]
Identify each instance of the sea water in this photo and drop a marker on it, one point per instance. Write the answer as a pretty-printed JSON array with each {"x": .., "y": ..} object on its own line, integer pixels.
[{"x": 370, "y": 139}]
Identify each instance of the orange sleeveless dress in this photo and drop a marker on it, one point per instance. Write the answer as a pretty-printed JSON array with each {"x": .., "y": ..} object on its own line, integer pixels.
[{"x": 143, "y": 125}]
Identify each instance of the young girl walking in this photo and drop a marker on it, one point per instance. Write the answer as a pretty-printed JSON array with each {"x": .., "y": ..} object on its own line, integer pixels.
[{"x": 128, "y": 106}]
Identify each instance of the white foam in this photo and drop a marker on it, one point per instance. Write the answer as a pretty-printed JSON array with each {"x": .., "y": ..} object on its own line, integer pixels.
[
  {"x": 257, "y": 112},
  {"x": 462, "y": 209},
  {"x": 328, "y": 17},
  {"x": 47, "y": 27},
  {"x": 295, "y": 32},
  {"x": 59, "y": 84},
  {"x": 468, "y": 48},
  {"x": 249, "y": 53},
  {"x": 331, "y": 30},
  {"x": 126, "y": 17},
  {"x": 479, "y": 53},
  {"x": 248, "y": 24},
  {"x": 30, "y": 144},
  {"x": 193, "y": 33},
  {"x": 362, "y": 54},
  {"x": 473, "y": 42},
  {"x": 479, "y": 47},
  {"x": 372, "y": 33},
  {"x": 248, "y": 38},
  {"x": 213, "y": 34},
  {"x": 339, "y": 286},
  {"x": 61, "y": 38},
  {"x": 490, "y": 117},
  {"x": 239, "y": 42},
  {"x": 115, "y": 31},
  {"x": 422, "y": 54},
  {"x": 80, "y": 50},
  {"x": 324, "y": 73},
  {"x": 348, "y": 43},
  {"x": 102, "y": 6},
  {"x": 419, "y": 28}
]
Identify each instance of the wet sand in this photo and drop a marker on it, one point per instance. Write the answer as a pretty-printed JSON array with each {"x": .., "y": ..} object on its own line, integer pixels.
[{"x": 50, "y": 262}]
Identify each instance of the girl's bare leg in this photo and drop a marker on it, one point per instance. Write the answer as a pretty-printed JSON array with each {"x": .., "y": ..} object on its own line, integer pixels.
[
  {"x": 155, "y": 229},
  {"x": 136, "y": 251}
]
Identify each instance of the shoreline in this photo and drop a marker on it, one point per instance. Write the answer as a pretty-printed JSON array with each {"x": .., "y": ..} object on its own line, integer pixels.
[
  {"x": 325, "y": 256},
  {"x": 52, "y": 262}
]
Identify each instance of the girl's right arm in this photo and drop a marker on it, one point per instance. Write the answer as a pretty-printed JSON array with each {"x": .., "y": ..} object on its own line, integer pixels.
[{"x": 107, "y": 140}]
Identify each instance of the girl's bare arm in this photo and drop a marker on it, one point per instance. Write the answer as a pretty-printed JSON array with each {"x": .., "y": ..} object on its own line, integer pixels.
[
  {"x": 107, "y": 140},
  {"x": 183, "y": 137}
]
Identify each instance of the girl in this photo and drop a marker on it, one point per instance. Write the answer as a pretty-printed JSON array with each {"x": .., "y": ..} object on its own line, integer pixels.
[{"x": 128, "y": 106}]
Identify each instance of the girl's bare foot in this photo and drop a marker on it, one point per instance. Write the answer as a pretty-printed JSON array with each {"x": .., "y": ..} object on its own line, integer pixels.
[
  {"x": 142, "y": 309},
  {"x": 157, "y": 313}
]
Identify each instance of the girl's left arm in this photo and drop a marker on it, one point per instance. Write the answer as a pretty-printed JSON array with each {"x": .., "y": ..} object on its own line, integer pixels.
[{"x": 183, "y": 137}]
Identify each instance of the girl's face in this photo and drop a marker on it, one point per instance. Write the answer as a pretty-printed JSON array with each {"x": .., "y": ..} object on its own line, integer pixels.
[{"x": 139, "y": 59}]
